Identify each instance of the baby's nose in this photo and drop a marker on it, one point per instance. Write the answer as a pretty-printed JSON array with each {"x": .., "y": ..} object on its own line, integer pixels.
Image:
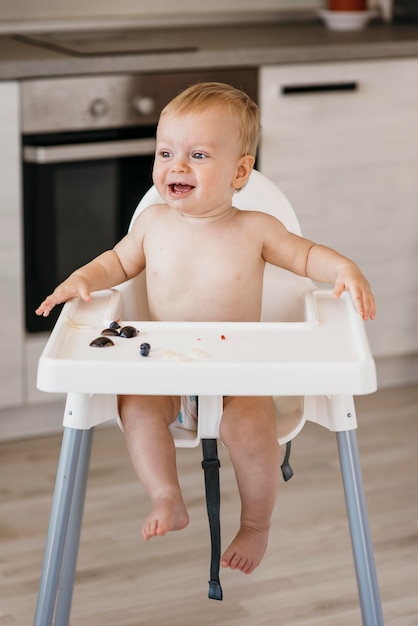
[{"x": 179, "y": 165}]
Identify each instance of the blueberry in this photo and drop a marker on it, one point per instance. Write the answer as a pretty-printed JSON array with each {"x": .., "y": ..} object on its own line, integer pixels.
[
  {"x": 114, "y": 324},
  {"x": 144, "y": 349}
]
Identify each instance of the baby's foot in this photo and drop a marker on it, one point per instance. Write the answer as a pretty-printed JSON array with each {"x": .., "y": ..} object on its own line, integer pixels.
[
  {"x": 246, "y": 550},
  {"x": 168, "y": 513}
]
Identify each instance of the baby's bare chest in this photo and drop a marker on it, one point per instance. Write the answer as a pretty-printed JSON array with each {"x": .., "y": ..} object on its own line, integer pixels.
[{"x": 219, "y": 256}]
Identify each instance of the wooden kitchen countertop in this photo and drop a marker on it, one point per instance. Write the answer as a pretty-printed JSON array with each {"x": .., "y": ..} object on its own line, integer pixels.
[{"x": 218, "y": 46}]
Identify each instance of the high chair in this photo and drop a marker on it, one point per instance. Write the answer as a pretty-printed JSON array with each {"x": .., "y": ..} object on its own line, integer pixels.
[{"x": 307, "y": 344}]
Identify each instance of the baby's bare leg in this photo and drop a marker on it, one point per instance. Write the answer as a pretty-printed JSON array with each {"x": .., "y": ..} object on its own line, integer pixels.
[
  {"x": 150, "y": 444},
  {"x": 248, "y": 429}
]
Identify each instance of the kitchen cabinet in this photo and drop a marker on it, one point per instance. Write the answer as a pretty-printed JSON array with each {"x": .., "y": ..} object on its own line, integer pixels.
[
  {"x": 11, "y": 327},
  {"x": 341, "y": 141}
]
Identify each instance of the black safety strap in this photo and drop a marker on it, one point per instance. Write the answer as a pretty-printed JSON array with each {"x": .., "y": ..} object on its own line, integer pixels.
[
  {"x": 211, "y": 465},
  {"x": 287, "y": 471}
]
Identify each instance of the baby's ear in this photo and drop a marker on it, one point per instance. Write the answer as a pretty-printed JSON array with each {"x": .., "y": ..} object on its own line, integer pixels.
[{"x": 243, "y": 171}]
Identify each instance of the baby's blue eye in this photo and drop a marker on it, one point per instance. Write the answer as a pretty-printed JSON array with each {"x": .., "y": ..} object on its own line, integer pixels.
[
  {"x": 164, "y": 154},
  {"x": 199, "y": 155}
]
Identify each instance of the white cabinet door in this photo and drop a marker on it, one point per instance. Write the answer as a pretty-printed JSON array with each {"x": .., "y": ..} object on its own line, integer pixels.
[
  {"x": 341, "y": 141},
  {"x": 11, "y": 272}
]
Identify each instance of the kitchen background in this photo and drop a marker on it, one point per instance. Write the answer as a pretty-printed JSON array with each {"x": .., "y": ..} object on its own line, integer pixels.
[
  {"x": 355, "y": 150},
  {"x": 348, "y": 160}
]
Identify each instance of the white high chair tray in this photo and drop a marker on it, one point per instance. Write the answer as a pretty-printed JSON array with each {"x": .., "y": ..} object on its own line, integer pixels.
[{"x": 328, "y": 354}]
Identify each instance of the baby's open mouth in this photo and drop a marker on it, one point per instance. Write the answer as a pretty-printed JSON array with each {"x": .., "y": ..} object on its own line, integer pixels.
[{"x": 180, "y": 188}]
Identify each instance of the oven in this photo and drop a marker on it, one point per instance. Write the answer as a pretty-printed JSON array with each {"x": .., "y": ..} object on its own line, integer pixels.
[{"x": 88, "y": 148}]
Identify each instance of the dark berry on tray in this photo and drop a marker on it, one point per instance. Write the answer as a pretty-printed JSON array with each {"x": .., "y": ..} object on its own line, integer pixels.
[
  {"x": 144, "y": 349},
  {"x": 102, "y": 342},
  {"x": 128, "y": 332},
  {"x": 114, "y": 324},
  {"x": 112, "y": 332}
]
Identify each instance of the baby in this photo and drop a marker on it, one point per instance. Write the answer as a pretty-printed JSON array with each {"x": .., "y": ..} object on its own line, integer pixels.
[{"x": 204, "y": 261}]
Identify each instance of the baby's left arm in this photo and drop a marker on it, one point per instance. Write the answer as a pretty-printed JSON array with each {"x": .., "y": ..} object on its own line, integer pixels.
[
  {"x": 327, "y": 265},
  {"x": 322, "y": 264}
]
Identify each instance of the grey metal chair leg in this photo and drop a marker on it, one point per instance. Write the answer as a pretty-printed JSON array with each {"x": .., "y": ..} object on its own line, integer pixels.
[
  {"x": 72, "y": 540},
  {"x": 371, "y": 607},
  {"x": 60, "y": 514}
]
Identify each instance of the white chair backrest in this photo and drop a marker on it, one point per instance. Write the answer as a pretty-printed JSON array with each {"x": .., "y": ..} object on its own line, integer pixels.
[{"x": 282, "y": 291}]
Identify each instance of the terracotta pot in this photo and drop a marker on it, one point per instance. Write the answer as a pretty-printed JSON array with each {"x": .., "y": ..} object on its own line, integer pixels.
[{"x": 347, "y": 5}]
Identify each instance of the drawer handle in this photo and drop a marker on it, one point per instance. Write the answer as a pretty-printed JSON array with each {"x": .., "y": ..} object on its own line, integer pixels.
[{"x": 293, "y": 90}]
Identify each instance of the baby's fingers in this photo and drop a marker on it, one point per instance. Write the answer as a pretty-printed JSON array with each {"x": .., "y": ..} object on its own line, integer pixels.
[
  {"x": 339, "y": 288},
  {"x": 363, "y": 299},
  {"x": 45, "y": 307},
  {"x": 369, "y": 307},
  {"x": 364, "y": 303},
  {"x": 85, "y": 295}
]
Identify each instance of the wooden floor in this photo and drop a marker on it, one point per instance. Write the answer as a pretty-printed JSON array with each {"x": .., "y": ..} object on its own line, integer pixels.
[{"x": 307, "y": 577}]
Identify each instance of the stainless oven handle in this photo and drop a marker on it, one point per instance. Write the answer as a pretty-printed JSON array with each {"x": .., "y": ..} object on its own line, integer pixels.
[{"x": 88, "y": 151}]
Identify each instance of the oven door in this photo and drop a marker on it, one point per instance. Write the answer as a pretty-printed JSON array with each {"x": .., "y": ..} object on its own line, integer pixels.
[{"x": 80, "y": 190}]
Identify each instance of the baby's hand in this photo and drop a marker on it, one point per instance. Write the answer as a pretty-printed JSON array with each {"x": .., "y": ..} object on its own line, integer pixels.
[
  {"x": 350, "y": 278},
  {"x": 74, "y": 286}
]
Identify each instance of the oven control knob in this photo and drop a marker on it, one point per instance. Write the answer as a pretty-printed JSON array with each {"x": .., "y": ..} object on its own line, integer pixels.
[
  {"x": 145, "y": 105},
  {"x": 99, "y": 107}
]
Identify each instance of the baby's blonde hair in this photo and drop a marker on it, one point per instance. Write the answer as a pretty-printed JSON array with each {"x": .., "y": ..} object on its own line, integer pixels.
[{"x": 199, "y": 97}]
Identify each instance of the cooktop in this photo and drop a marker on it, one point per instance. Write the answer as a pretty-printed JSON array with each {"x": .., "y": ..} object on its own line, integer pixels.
[{"x": 113, "y": 42}]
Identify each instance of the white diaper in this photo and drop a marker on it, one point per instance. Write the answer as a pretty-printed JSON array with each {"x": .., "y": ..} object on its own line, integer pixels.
[{"x": 187, "y": 416}]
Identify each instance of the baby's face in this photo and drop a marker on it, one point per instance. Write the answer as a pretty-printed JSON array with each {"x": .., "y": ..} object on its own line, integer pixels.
[{"x": 196, "y": 162}]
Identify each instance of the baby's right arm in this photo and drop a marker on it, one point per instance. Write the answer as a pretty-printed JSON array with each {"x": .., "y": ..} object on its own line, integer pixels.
[
  {"x": 103, "y": 272},
  {"x": 111, "y": 268}
]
